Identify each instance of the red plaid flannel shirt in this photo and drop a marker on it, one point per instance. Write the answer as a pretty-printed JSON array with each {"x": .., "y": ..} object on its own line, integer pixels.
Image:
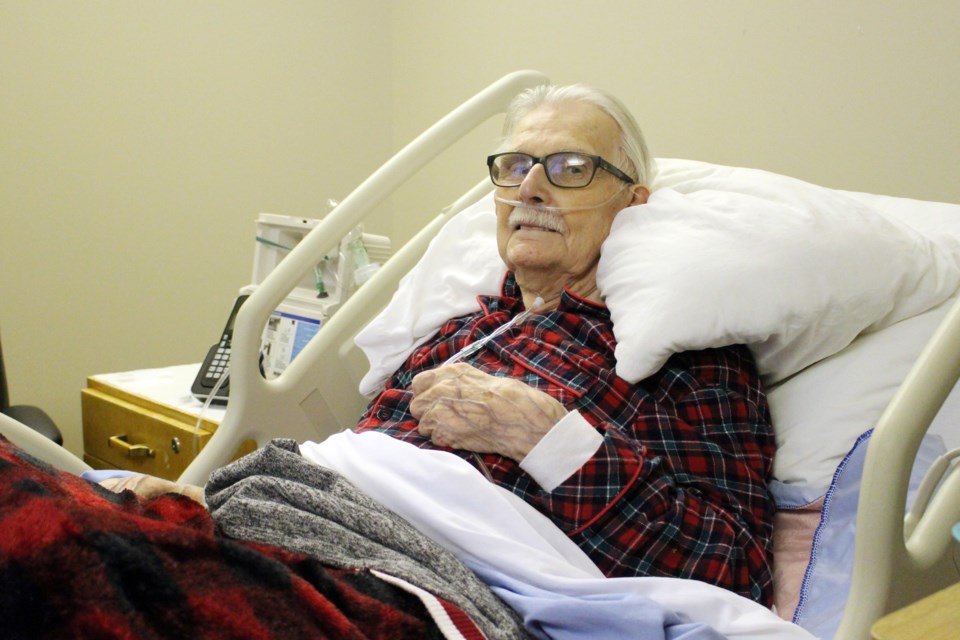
[{"x": 679, "y": 485}]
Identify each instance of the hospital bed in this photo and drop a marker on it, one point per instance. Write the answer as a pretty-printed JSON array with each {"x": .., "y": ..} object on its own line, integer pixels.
[{"x": 879, "y": 378}]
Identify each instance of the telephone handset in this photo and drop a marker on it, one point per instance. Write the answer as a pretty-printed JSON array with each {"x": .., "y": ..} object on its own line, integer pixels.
[{"x": 215, "y": 365}]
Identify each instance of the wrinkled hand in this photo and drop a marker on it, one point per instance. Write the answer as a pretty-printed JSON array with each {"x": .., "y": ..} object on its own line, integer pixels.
[
  {"x": 151, "y": 486},
  {"x": 461, "y": 407}
]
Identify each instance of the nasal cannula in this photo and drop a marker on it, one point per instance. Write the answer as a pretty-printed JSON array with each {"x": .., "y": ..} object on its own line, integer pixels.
[{"x": 552, "y": 209}]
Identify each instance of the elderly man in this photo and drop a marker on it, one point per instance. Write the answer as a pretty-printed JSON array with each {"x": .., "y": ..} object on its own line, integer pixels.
[{"x": 666, "y": 477}]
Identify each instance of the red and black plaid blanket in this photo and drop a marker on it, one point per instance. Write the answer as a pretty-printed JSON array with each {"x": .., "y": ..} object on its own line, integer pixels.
[{"x": 77, "y": 561}]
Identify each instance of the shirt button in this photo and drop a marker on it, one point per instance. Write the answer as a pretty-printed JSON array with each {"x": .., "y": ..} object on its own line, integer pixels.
[{"x": 383, "y": 414}]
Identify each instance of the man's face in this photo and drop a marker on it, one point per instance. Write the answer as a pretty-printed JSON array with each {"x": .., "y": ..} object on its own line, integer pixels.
[{"x": 562, "y": 247}]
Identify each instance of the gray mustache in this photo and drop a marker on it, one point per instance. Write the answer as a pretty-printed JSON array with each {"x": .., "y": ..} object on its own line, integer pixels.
[{"x": 536, "y": 218}]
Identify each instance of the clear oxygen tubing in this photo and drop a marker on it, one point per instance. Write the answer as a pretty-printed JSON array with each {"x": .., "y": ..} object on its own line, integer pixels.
[
  {"x": 550, "y": 209},
  {"x": 317, "y": 270},
  {"x": 475, "y": 346},
  {"x": 206, "y": 406},
  {"x": 206, "y": 403}
]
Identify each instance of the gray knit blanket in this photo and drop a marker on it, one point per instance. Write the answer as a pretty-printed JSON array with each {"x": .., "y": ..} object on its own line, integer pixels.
[{"x": 277, "y": 497}]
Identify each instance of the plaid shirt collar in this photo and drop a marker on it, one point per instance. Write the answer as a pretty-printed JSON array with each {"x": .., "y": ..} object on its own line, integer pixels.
[{"x": 511, "y": 301}]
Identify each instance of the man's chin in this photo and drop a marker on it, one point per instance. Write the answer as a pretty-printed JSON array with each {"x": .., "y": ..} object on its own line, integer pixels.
[{"x": 529, "y": 256}]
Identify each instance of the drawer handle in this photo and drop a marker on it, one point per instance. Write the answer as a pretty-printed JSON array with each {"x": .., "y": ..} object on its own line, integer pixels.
[{"x": 131, "y": 450}]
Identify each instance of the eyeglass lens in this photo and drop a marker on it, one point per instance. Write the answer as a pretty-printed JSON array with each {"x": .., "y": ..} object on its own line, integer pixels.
[{"x": 566, "y": 169}]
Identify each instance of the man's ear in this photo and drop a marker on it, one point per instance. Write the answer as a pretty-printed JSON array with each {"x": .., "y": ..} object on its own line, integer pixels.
[{"x": 640, "y": 195}]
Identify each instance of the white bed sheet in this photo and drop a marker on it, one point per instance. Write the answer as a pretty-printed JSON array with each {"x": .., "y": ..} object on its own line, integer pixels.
[{"x": 524, "y": 555}]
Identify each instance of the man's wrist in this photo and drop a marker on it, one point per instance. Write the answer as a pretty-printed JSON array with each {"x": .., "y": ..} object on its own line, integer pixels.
[{"x": 562, "y": 451}]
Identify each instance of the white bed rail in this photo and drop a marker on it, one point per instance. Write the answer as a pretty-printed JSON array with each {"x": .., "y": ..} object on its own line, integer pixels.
[
  {"x": 40, "y": 446},
  {"x": 898, "y": 560},
  {"x": 293, "y": 404}
]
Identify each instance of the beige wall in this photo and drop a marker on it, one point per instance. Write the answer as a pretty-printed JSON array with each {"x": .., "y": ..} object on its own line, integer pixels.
[
  {"x": 140, "y": 140},
  {"x": 855, "y": 94}
]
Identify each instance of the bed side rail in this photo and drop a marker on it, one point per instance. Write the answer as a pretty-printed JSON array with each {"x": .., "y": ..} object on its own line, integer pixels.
[
  {"x": 317, "y": 395},
  {"x": 898, "y": 560},
  {"x": 40, "y": 446}
]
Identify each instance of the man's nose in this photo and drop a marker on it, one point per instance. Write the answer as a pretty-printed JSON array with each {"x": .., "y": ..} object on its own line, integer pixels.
[{"x": 534, "y": 184}]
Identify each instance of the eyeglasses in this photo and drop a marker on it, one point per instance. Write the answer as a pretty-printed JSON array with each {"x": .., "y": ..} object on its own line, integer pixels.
[{"x": 566, "y": 169}]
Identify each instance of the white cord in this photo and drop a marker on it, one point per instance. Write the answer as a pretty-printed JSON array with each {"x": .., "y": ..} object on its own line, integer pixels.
[
  {"x": 206, "y": 406},
  {"x": 473, "y": 347}
]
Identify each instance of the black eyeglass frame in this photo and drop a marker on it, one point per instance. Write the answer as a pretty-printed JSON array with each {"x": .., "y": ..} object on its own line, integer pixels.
[{"x": 598, "y": 163}]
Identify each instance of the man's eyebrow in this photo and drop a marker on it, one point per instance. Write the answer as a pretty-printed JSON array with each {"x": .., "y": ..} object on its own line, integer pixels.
[{"x": 564, "y": 149}]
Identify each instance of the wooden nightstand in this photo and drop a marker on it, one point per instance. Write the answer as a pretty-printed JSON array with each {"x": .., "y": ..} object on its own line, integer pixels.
[
  {"x": 936, "y": 617},
  {"x": 146, "y": 421}
]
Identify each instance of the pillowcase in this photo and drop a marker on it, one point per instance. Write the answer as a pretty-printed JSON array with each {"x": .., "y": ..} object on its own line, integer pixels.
[{"x": 725, "y": 255}]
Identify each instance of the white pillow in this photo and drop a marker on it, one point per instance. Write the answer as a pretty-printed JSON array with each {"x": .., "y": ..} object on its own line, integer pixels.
[
  {"x": 461, "y": 262},
  {"x": 727, "y": 255},
  {"x": 820, "y": 412}
]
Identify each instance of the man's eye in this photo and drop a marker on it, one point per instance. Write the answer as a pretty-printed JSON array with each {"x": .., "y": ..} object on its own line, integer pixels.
[
  {"x": 518, "y": 168},
  {"x": 574, "y": 168}
]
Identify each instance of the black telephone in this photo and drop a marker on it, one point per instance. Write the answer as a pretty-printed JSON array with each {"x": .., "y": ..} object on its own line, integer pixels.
[{"x": 214, "y": 366}]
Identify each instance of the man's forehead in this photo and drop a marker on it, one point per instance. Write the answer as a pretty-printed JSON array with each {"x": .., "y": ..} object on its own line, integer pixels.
[{"x": 573, "y": 126}]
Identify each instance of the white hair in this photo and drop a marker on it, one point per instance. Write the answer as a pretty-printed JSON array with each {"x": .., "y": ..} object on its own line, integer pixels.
[{"x": 633, "y": 147}]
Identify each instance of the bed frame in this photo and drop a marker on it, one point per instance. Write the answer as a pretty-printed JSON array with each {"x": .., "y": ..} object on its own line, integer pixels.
[{"x": 897, "y": 559}]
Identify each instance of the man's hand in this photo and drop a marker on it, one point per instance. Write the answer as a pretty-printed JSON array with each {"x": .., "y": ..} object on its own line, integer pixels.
[
  {"x": 461, "y": 407},
  {"x": 150, "y": 486}
]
